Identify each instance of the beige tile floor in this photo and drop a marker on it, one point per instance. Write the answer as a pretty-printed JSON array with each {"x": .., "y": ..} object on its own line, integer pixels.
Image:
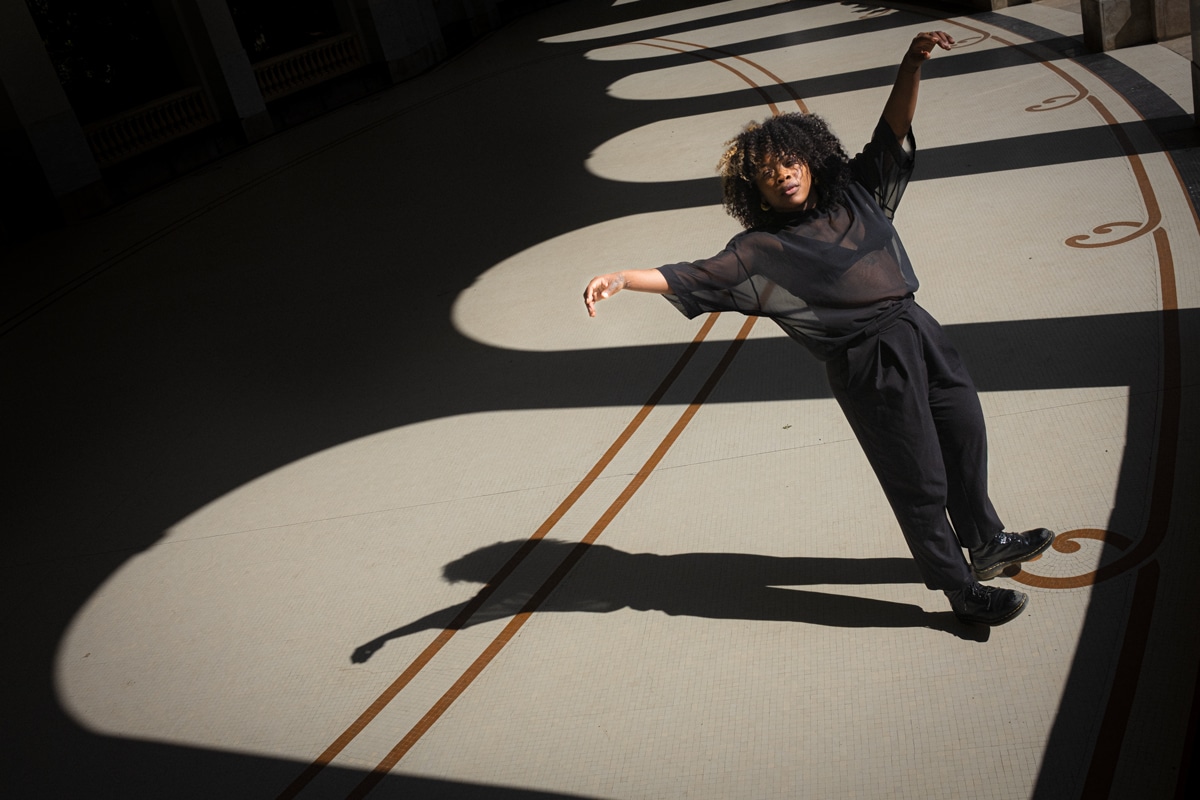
[{"x": 270, "y": 427}]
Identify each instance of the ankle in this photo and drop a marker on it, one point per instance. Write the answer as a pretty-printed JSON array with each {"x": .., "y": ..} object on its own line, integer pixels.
[{"x": 958, "y": 594}]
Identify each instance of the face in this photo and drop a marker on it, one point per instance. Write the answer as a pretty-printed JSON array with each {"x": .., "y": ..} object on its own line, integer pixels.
[{"x": 786, "y": 184}]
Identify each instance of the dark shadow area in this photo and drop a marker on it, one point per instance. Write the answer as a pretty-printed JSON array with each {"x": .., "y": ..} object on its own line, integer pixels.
[
  {"x": 1047, "y": 149},
  {"x": 109, "y": 768},
  {"x": 710, "y": 585},
  {"x": 322, "y": 313}
]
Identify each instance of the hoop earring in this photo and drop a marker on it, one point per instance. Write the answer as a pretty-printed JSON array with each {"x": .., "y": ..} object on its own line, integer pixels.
[{"x": 764, "y": 205}]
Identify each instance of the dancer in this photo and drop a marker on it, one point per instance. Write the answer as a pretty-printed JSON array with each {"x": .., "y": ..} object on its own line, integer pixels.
[{"x": 819, "y": 256}]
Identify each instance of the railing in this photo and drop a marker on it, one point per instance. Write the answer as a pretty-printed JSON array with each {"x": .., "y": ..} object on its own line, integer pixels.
[
  {"x": 144, "y": 128},
  {"x": 148, "y": 126},
  {"x": 308, "y": 66}
]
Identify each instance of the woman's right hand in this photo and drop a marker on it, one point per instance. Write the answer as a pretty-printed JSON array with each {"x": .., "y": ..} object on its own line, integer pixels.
[{"x": 602, "y": 288}]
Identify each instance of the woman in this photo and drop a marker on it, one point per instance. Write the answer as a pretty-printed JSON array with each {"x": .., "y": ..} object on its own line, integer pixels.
[{"x": 820, "y": 257}]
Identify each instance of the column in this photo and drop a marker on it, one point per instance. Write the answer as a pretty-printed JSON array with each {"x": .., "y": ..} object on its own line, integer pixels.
[
  {"x": 37, "y": 120},
  {"x": 206, "y": 28},
  {"x": 1195, "y": 9},
  {"x": 1110, "y": 24},
  {"x": 405, "y": 36}
]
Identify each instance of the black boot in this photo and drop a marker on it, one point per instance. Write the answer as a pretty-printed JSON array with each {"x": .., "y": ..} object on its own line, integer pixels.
[
  {"x": 1007, "y": 549},
  {"x": 986, "y": 605}
]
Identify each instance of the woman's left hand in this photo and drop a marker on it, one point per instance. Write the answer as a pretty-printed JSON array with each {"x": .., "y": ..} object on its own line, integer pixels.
[{"x": 923, "y": 43}]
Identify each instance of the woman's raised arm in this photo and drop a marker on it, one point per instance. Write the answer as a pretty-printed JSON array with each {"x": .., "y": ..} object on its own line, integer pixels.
[{"x": 902, "y": 102}]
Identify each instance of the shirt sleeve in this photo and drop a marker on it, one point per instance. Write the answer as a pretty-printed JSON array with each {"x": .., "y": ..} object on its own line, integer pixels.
[
  {"x": 720, "y": 283},
  {"x": 885, "y": 166}
]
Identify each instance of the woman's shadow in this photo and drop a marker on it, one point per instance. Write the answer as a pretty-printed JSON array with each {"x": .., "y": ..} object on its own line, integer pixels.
[{"x": 713, "y": 585}]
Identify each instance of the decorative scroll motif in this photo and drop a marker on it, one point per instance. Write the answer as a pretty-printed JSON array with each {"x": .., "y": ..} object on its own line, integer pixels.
[
  {"x": 1060, "y": 101},
  {"x": 1149, "y": 200},
  {"x": 308, "y": 66},
  {"x": 1063, "y": 100},
  {"x": 149, "y": 126},
  {"x": 872, "y": 12},
  {"x": 968, "y": 41},
  {"x": 1068, "y": 543},
  {"x": 980, "y": 35},
  {"x": 1084, "y": 240}
]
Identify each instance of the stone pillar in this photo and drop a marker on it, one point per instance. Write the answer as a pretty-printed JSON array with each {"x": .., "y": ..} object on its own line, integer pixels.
[
  {"x": 992, "y": 5},
  {"x": 476, "y": 17},
  {"x": 205, "y": 28},
  {"x": 38, "y": 124},
  {"x": 1110, "y": 24},
  {"x": 405, "y": 35},
  {"x": 1172, "y": 19},
  {"x": 1195, "y": 8}
]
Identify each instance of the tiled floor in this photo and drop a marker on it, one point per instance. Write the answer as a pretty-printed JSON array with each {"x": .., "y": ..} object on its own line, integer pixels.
[{"x": 270, "y": 429}]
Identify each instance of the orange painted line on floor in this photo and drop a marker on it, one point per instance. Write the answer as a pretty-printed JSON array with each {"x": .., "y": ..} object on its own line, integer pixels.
[
  {"x": 518, "y": 621},
  {"x": 778, "y": 80},
  {"x": 1110, "y": 739},
  {"x": 481, "y": 597},
  {"x": 766, "y": 97}
]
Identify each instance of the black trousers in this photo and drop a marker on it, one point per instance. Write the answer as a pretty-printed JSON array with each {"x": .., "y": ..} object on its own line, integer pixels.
[{"x": 916, "y": 414}]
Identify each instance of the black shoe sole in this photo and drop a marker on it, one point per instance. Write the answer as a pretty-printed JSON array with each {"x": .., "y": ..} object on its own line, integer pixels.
[
  {"x": 996, "y": 569},
  {"x": 1016, "y": 612}
]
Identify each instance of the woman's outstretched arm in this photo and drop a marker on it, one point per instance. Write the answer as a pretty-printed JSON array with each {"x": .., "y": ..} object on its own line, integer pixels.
[
  {"x": 902, "y": 102},
  {"x": 636, "y": 280}
]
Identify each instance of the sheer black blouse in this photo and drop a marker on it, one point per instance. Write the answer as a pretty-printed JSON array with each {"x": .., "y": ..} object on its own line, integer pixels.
[{"x": 823, "y": 278}]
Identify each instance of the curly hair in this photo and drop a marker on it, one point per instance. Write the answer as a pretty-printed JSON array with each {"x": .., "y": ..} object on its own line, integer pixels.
[{"x": 805, "y": 137}]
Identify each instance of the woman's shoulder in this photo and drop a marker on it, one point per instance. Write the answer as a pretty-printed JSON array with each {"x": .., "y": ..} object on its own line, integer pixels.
[
  {"x": 761, "y": 238},
  {"x": 757, "y": 247}
]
